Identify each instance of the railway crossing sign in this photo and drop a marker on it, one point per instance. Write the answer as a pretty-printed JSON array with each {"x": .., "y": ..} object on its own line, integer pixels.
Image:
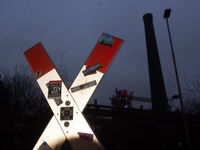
[{"x": 67, "y": 104}]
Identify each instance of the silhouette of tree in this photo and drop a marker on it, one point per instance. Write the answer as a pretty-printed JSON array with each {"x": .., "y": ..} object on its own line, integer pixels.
[
  {"x": 192, "y": 95},
  {"x": 21, "y": 98}
]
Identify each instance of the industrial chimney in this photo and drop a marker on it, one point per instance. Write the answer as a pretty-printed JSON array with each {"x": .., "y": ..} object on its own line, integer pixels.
[{"x": 158, "y": 94}]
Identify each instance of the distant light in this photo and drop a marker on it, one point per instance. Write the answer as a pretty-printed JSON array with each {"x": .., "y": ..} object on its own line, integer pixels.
[
  {"x": 179, "y": 143},
  {"x": 167, "y": 13}
]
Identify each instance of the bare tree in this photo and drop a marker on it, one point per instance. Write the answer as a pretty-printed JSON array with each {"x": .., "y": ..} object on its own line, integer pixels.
[
  {"x": 21, "y": 98},
  {"x": 192, "y": 95},
  {"x": 23, "y": 103}
]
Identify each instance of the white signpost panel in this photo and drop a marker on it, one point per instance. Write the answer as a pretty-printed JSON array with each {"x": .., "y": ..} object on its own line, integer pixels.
[{"x": 68, "y": 121}]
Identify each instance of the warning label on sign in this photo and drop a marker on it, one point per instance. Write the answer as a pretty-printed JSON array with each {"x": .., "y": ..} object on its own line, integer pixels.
[
  {"x": 85, "y": 136},
  {"x": 44, "y": 146},
  {"x": 107, "y": 40},
  {"x": 54, "y": 89},
  {"x": 83, "y": 86},
  {"x": 92, "y": 69}
]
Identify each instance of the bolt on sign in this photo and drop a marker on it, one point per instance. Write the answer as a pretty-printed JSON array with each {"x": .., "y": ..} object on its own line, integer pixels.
[{"x": 67, "y": 104}]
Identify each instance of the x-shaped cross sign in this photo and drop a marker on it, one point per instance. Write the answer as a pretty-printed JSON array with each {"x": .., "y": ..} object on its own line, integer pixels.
[{"x": 67, "y": 105}]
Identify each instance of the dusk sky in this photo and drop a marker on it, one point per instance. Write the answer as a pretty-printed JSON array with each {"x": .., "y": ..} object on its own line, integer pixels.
[{"x": 71, "y": 29}]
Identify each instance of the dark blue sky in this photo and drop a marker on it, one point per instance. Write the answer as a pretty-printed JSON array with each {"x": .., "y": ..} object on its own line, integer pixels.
[{"x": 72, "y": 28}]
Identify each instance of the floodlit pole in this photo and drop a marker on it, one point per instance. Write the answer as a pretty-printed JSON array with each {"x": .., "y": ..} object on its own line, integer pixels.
[{"x": 166, "y": 15}]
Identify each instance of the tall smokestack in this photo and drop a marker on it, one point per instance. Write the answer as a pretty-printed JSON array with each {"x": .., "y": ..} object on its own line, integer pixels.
[{"x": 158, "y": 94}]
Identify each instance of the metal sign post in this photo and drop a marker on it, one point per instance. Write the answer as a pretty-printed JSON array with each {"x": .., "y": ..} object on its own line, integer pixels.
[{"x": 67, "y": 105}]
